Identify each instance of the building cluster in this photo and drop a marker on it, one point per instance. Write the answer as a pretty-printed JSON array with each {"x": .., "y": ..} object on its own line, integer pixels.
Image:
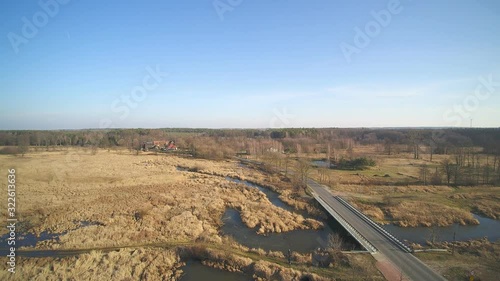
[{"x": 159, "y": 145}]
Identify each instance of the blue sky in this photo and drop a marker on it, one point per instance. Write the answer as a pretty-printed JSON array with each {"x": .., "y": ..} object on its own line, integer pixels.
[{"x": 245, "y": 63}]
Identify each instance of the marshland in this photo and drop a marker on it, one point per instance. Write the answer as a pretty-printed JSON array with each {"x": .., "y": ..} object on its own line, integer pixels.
[{"x": 123, "y": 210}]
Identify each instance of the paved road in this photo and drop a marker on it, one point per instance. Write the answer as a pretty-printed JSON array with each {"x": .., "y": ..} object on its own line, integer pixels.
[{"x": 411, "y": 267}]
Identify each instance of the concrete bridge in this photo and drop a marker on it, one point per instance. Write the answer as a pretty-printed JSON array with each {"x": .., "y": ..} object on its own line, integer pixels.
[{"x": 394, "y": 258}]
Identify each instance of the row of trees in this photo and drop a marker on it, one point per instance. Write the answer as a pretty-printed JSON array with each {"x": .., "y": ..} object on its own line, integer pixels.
[
  {"x": 457, "y": 171},
  {"x": 477, "y": 171},
  {"x": 441, "y": 140}
]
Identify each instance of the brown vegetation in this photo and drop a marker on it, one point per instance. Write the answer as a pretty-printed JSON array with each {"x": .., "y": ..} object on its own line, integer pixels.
[
  {"x": 125, "y": 264},
  {"x": 137, "y": 198},
  {"x": 480, "y": 256},
  {"x": 411, "y": 214},
  {"x": 260, "y": 269}
]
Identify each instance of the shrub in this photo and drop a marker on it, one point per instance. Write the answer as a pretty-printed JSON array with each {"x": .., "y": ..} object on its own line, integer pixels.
[
  {"x": 360, "y": 163},
  {"x": 197, "y": 168}
]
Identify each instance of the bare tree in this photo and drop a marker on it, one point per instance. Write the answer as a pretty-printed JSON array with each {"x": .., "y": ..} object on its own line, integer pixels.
[
  {"x": 335, "y": 243},
  {"x": 324, "y": 177},
  {"x": 424, "y": 174},
  {"x": 302, "y": 169},
  {"x": 432, "y": 147},
  {"x": 388, "y": 146},
  {"x": 23, "y": 143},
  {"x": 287, "y": 163},
  {"x": 415, "y": 143},
  {"x": 436, "y": 177},
  {"x": 447, "y": 168}
]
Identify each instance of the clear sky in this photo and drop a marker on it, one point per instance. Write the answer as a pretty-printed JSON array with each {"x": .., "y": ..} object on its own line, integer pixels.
[{"x": 249, "y": 63}]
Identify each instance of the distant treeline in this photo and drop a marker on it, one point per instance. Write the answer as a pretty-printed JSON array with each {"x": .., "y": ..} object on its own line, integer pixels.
[
  {"x": 466, "y": 164},
  {"x": 440, "y": 140}
]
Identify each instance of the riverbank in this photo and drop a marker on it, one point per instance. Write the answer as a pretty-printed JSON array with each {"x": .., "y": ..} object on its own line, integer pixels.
[
  {"x": 131, "y": 198},
  {"x": 155, "y": 262},
  {"x": 121, "y": 205},
  {"x": 480, "y": 257},
  {"x": 417, "y": 205}
]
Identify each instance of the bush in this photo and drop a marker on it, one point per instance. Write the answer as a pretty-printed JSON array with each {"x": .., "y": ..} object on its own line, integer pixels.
[
  {"x": 197, "y": 168},
  {"x": 360, "y": 163}
]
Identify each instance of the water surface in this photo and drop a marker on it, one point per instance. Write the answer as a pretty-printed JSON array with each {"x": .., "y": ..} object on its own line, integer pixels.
[
  {"x": 195, "y": 271},
  {"x": 271, "y": 195},
  {"x": 302, "y": 241},
  {"x": 488, "y": 228}
]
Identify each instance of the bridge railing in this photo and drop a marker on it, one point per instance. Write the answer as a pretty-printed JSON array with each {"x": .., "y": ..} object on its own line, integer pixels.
[
  {"x": 358, "y": 236},
  {"x": 375, "y": 225}
]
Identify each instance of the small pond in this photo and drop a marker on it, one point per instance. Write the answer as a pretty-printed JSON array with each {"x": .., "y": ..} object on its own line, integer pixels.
[{"x": 320, "y": 163}]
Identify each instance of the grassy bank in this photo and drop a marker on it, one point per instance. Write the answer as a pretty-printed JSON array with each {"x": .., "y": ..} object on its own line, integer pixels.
[
  {"x": 145, "y": 214},
  {"x": 480, "y": 256}
]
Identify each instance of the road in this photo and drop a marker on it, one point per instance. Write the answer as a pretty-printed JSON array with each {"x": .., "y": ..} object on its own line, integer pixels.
[{"x": 411, "y": 267}]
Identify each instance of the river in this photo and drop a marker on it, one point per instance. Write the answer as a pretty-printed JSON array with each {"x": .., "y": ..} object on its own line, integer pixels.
[{"x": 487, "y": 228}]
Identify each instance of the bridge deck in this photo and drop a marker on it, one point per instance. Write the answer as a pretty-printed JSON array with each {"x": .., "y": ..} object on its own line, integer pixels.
[
  {"x": 381, "y": 244},
  {"x": 369, "y": 247}
]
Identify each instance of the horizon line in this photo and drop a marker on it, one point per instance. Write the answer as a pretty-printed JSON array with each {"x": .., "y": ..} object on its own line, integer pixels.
[{"x": 252, "y": 128}]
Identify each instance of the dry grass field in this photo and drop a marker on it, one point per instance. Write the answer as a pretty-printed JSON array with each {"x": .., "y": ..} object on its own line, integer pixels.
[
  {"x": 132, "y": 201},
  {"x": 390, "y": 192},
  {"x": 126, "y": 264},
  {"x": 136, "y": 199},
  {"x": 481, "y": 255},
  {"x": 141, "y": 216}
]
